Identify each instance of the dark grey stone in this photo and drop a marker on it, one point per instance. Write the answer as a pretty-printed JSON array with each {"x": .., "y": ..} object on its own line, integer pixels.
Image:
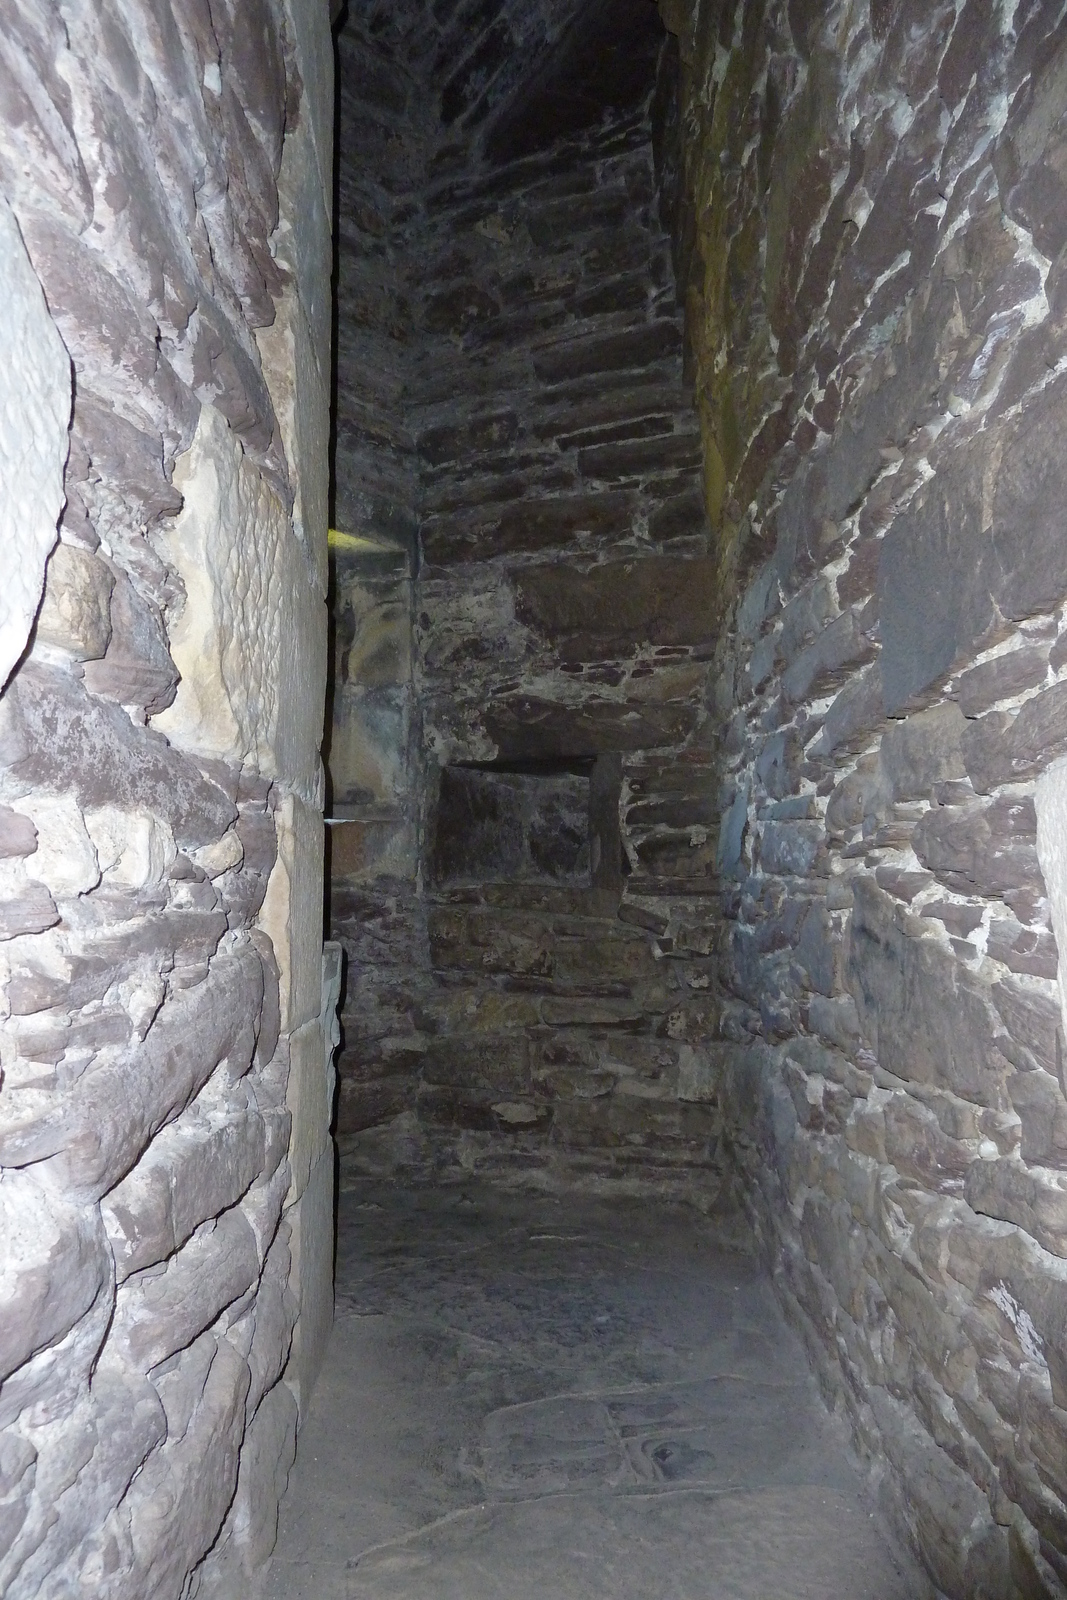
[
  {"x": 946, "y": 572},
  {"x": 1002, "y": 678},
  {"x": 929, "y": 1018},
  {"x": 840, "y": 647},
  {"x": 817, "y": 950},
  {"x": 923, "y": 750},
  {"x": 511, "y": 826},
  {"x": 985, "y": 849},
  {"x": 854, "y": 714},
  {"x": 790, "y": 848},
  {"x": 1032, "y": 1018},
  {"x": 732, "y": 830}
]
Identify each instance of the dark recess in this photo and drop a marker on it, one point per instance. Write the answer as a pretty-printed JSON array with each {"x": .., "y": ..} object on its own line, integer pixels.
[{"x": 604, "y": 61}]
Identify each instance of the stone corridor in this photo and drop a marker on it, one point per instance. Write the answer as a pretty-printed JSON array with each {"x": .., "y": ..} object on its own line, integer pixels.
[
  {"x": 533, "y": 677},
  {"x": 535, "y": 1398}
]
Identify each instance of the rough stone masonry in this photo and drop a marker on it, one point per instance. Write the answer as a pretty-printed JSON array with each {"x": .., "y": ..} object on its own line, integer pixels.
[
  {"x": 165, "y": 1177},
  {"x": 870, "y": 221},
  {"x": 828, "y": 980}
]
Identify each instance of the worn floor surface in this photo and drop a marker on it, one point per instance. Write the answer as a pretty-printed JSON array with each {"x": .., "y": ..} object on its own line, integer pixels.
[{"x": 569, "y": 1399}]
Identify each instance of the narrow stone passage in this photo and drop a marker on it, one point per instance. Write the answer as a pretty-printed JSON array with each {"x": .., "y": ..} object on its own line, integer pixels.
[{"x": 529, "y": 1395}]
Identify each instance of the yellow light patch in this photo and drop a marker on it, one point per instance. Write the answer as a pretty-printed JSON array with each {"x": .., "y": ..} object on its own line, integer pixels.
[{"x": 355, "y": 541}]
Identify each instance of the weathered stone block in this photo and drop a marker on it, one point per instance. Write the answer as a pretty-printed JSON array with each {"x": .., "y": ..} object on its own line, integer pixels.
[
  {"x": 986, "y": 849},
  {"x": 136, "y": 669},
  {"x": 612, "y": 352},
  {"x": 311, "y": 1222},
  {"x": 1002, "y": 678},
  {"x": 252, "y": 610},
  {"x": 370, "y": 761},
  {"x": 45, "y": 714},
  {"x": 157, "y": 1314},
  {"x": 307, "y": 1101},
  {"x": 273, "y": 1317},
  {"x": 27, "y": 907},
  {"x": 200, "y": 1467},
  {"x": 18, "y": 836},
  {"x": 855, "y": 713},
  {"x": 54, "y": 1267},
  {"x": 95, "y": 1133},
  {"x": 840, "y": 647},
  {"x": 35, "y": 406},
  {"x": 928, "y": 1017},
  {"x": 923, "y": 750},
  {"x": 1042, "y": 1110},
  {"x": 251, "y": 1528},
  {"x": 790, "y": 848},
  {"x": 1032, "y": 1017},
  {"x": 944, "y": 563},
  {"x": 604, "y": 611},
  {"x": 65, "y": 860},
  {"x": 75, "y": 613},
  {"x": 511, "y": 826},
  {"x": 291, "y": 914},
  {"x": 1050, "y": 803},
  {"x": 496, "y": 1063},
  {"x": 195, "y": 1169},
  {"x": 1035, "y": 1201}
]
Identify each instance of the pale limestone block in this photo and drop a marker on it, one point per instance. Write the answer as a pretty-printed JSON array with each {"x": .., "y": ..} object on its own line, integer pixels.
[
  {"x": 291, "y": 913},
  {"x": 246, "y": 637},
  {"x": 35, "y": 403},
  {"x": 135, "y": 851},
  {"x": 1050, "y": 802},
  {"x": 308, "y": 1104},
  {"x": 298, "y": 388},
  {"x": 311, "y": 1220},
  {"x": 698, "y": 1079},
  {"x": 75, "y": 614},
  {"x": 221, "y": 856},
  {"x": 302, "y": 681},
  {"x": 65, "y": 859}
]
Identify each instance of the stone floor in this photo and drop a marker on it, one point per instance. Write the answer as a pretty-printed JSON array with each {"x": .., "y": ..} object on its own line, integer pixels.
[{"x": 569, "y": 1399}]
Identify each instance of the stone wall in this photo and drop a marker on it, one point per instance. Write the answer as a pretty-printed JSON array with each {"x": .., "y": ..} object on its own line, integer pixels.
[
  {"x": 165, "y": 1176},
  {"x": 823, "y": 976},
  {"x": 869, "y": 217},
  {"x": 554, "y": 651}
]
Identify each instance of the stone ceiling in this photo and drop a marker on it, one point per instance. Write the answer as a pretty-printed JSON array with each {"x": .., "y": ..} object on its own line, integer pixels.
[{"x": 513, "y": 75}]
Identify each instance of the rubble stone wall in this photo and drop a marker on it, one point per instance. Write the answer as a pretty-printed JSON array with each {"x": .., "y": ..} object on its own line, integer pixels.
[
  {"x": 165, "y": 1171},
  {"x": 562, "y": 626},
  {"x": 552, "y": 642},
  {"x": 870, "y": 219}
]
